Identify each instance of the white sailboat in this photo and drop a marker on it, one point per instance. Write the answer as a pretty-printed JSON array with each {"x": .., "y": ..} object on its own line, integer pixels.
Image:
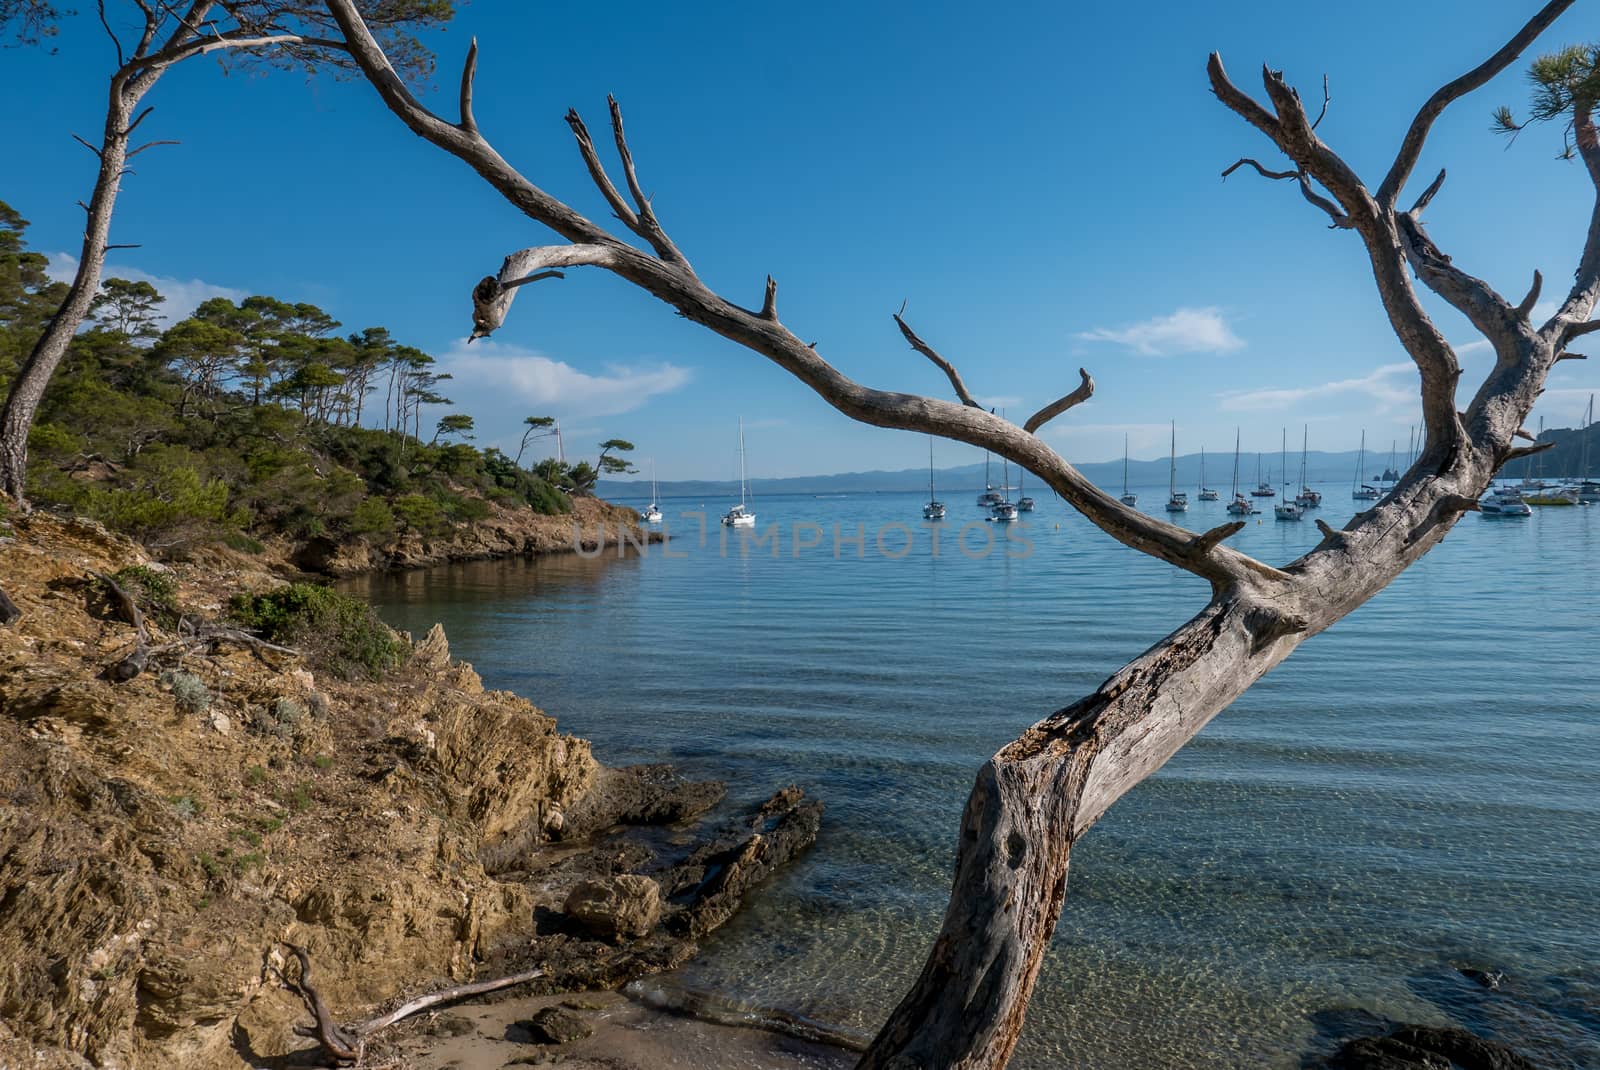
[
  {"x": 1177, "y": 500},
  {"x": 741, "y": 515},
  {"x": 1206, "y": 493},
  {"x": 1128, "y": 498},
  {"x": 1361, "y": 490},
  {"x": 1240, "y": 505},
  {"x": 990, "y": 497},
  {"x": 1588, "y": 486},
  {"x": 652, "y": 512},
  {"x": 1543, "y": 493},
  {"x": 1263, "y": 485},
  {"x": 1024, "y": 503},
  {"x": 1286, "y": 509},
  {"x": 1307, "y": 498},
  {"x": 1003, "y": 511},
  {"x": 934, "y": 510}
]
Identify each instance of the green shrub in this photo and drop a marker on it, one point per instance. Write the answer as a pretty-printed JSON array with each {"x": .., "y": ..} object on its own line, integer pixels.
[
  {"x": 372, "y": 516},
  {"x": 189, "y": 692},
  {"x": 157, "y": 591},
  {"x": 419, "y": 513},
  {"x": 334, "y": 630}
]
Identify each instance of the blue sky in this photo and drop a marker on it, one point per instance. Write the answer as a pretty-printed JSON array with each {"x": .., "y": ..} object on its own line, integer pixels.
[{"x": 1039, "y": 182}]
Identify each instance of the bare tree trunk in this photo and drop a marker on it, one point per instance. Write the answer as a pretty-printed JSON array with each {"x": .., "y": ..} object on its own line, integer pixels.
[{"x": 27, "y": 390}]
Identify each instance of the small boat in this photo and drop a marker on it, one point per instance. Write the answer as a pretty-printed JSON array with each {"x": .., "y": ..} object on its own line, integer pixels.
[
  {"x": 1128, "y": 497},
  {"x": 1263, "y": 486},
  {"x": 934, "y": 510},
  {"x": 1544, "y": 493},
  {"x": 1307, "y": 498},
  {"x": 1286, "y": 509},
  {"x": 1504, "y": 501},
  {"x": 1240, "y": 505},
  {"x": 1206, "y": 493},
  {"x": 741, "y": 515},
  {"x": 1177, "y": 500},
  {"x": 1361, "y": 490},
  {"x": 1024, "y": 503},
  {"x": 652, "y": 512},
  {"x": 1588, "y": 486},
  {"x": 1003, "y": 511},
  {"x": 990, "y": 497}
]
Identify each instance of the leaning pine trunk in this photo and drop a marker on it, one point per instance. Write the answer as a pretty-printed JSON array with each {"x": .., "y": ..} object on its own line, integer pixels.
[{"x": 27, "y": 390}]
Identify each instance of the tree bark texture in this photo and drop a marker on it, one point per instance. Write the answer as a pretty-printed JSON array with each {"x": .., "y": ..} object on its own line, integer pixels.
[{"x": 27, "y": 389}]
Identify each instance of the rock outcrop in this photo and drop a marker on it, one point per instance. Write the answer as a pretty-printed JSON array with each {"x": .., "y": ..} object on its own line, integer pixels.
[{"x": 161, "y": 839}]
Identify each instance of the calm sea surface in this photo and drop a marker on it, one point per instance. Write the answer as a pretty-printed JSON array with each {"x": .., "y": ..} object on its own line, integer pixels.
[{"x": 1413, "y": 793}]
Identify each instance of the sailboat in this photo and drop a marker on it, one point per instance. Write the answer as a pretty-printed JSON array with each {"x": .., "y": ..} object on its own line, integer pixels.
[
  {"x": 934, "y": 510},
  {"x": 990, "y": 497},
  {"x": 1588, "y": 486},
  {"x": 1361, "y": 491},
  {"x": 1391, "y": 474},
  {"x": 1024, "y": 503},
  {"x": 1286, "y": 509},
  {"x": 1240, "y": 505},
  {"x": 1003, "y": 511},
  {"x": 1263, "y": 486},
  {"x": 1128, "y": 498},
  {"x": 1307, "y": 498},
  {"x": 741, "y": 515},
  {"x": 1544, "y": 495},
  {"x": 652, "y": 512},
  {"x": 1206, "y": 493},
  {"x": 1177, "y": 500}
]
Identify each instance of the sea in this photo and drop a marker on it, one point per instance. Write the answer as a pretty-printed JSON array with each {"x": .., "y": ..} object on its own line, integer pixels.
[{"x": 1398, "y": 824}]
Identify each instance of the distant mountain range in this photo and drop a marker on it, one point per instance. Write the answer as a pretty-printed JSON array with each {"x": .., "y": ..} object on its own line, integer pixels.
[
  {"x": 1564, "y": 459},
  {"x": 1321, "y": 468}
]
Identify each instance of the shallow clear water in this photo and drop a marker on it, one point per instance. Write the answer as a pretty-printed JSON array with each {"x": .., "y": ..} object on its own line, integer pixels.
[{"x": 1416, "y": 790}]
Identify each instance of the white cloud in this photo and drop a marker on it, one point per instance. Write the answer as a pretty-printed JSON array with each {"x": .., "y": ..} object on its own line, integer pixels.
[
  {"x": 999, "y": 401},
  {"x": 555, "y": 385},
  {"x": 1390, "y": 385},
  {"x": 1471, "y": 347},
  {"x": 1188, "y": 330},
  {"x": 183, "y": 296}
]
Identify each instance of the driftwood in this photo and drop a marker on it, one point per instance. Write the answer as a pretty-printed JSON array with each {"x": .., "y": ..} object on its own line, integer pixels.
[
  {"x": 345, "y": 1045},
  {"x": 9, "y": 613},
  {"x": 131, "y": 665},
  {"x": 1039, "y": 794},
  {"x": 191, "y": 636}
]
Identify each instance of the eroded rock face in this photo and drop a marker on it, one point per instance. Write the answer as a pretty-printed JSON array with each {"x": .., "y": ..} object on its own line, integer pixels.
[
  {"x": 624, "y": 906},
  {"x": 151, "y": 865}
]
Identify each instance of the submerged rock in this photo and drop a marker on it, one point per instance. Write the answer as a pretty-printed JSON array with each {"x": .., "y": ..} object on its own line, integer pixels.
[
  {"x": 1421, "y": 1047},
  {"x": 557, "y": 1025},
  {"x": 626, "y": 905}
]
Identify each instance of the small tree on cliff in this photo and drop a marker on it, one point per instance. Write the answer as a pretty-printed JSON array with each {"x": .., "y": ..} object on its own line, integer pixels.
[
  {"x": 274, "y": 33},
  {"x": 1040, "y": 793}
]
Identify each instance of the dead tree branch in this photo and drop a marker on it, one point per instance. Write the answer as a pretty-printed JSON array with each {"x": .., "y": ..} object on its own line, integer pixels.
[
  {"x": 943, "y": 365},
  {"x": 1084, "y": 391}
]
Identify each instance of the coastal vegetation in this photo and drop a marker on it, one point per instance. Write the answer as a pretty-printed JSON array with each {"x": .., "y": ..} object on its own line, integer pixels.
[
  {"x": 254, "y": 419},
  {"x": 1039, "y": 794}
]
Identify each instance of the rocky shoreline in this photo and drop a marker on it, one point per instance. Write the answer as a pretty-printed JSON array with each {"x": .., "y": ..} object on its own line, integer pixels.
[
  {"x": 592, "y": 526},
  {"x": 168, "y": 841}
]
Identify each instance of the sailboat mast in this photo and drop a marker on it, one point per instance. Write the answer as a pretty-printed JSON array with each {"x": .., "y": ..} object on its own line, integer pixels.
[
  {"x": 930, "y": 468},
  {"x": 1124, "y": 463},
  {"x": 1172, "y": 474},
  {"x": 1202, "y": 468},
  {"x": 1283, "y": 461},
  {"x": 1235, "y": 462},
  {"x": 1305, "y": 440},
  {"x": 744, "y": 479}
]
